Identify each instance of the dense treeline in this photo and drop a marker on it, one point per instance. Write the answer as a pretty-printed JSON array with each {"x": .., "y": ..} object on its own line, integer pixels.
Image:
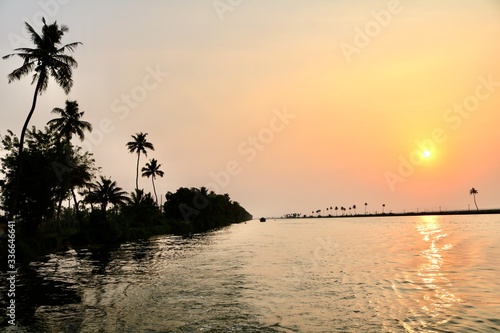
[
  {"x": 98, "y": 211},
  {"x": 42, "y": 169},
  {"x": 197, "y": 210}
]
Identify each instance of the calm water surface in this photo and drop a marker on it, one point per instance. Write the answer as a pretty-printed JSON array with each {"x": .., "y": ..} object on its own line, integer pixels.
[{"x": 393, "y": 274}]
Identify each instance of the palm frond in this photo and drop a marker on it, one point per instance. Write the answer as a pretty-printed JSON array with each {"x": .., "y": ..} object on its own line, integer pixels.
[{"x": 34, "y": 36}]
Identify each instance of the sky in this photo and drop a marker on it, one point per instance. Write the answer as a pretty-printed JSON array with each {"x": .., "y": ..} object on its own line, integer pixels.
[{"x": 288, "y": 106}]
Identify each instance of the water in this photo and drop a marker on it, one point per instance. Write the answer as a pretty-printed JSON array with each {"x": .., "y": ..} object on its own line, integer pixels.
[{"x": 393, "y": 274}]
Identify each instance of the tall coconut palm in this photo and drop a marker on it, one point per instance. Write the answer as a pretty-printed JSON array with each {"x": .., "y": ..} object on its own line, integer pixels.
[
  {"x": 365, "y": 207},
  {"x": 473, "y": 192},
  {"x": 69, "y": 122},
  {"x": 354, "y": 207},
  {"x": 139, "y": 145},
  {"x": 47, "y": 59},
  {"x": 383, "y": 208},
  {"x": 336, "y": 209},
  {"x": 152, "y": 169},
  {"x": 106, "y": 192}
]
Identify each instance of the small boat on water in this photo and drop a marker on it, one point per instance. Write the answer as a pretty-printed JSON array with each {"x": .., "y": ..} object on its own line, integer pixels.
[{"x": 262, "y": 219}]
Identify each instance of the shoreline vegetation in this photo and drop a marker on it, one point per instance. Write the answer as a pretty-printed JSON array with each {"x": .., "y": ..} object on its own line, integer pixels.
[
  {"x": 44, "y": 168},
  {"x": 390, "y": 214}
]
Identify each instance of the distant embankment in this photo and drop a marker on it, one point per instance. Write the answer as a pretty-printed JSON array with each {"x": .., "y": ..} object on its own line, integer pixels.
[
  {"x": 423, "y": 213},
  {"x": 447, "y": 212}
]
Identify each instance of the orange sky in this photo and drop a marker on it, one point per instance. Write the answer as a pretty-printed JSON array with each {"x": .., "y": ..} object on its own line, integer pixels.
[{"x": 357, "y": 85}]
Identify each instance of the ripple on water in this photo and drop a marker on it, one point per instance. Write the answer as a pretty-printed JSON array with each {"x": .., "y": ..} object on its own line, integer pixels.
[{"x": 418, "y": 274}]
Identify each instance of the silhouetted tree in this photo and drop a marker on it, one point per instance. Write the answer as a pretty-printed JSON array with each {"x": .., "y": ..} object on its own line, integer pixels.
[
  {"x": 106, "y": 192},
  {"x": 68, "y": 124},
  {"x": 365, "y": 207},
  {"x": 336, "y": 209},
  {"x": 47, "y": 59},
  {"x": 152, "y": 169},
  {"x": 138, "y": 198},
  {"x": 473, "y": 192},
  {"x": 139, "y": 145},
  {"x": 196, "y": 212},
  {"x": 52, "y": 169},
  {"x": 354, "y": 207},
  {"x": 383, "y": 208}
]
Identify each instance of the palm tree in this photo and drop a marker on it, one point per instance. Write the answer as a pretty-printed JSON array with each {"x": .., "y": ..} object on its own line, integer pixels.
[
  {"x": 67, "y": 125},
  {"x": 70, "y": 122},
  {"x": 138, "y": 198},
  {"x": 139, "y": 145},
  {"x": 106, "y": 192},
  {"x": 473, "y": 192},
  {"x": 47, "y": 59},
  {"x": 365, "y": 207},
  {"x": 383, "y": 208},
  {"x": 354, "y": 207},
  {"x": 336, "y": 209},
  {"x": 152, "y": 169}
]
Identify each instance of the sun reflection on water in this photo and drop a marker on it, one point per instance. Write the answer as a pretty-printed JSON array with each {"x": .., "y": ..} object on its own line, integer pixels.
[{"x": 436, "y": 287}]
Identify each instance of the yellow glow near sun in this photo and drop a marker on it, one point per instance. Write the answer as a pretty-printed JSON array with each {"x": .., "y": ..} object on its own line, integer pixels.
[{"x": 426, "y": 153}]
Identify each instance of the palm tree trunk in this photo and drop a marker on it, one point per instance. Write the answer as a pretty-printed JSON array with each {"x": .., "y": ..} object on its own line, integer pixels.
[
  {"x": 137, "y": 173},
  {"x": 20, "y": 152},
  {"x": 77, "y": 212},
  {"x": 475, "y": 201},
  {"x": 58, "y": 214},
  {"x": 154, "y": 189}
]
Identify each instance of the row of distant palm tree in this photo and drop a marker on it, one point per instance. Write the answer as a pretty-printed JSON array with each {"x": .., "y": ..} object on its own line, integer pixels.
[
  {"x": 343, "y": 210},
  {"x": 472, "y": 192}
]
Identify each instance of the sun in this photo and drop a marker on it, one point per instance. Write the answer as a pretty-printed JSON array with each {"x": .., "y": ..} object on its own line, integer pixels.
[{"x": 426, "y": 153}]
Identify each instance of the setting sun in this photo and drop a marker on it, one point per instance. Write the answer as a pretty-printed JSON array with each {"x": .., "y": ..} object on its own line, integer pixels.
[{"x": 426, "y": 153}]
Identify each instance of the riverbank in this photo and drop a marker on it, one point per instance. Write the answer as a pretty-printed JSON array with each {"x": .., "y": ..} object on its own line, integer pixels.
[{"x": 423, "y": 213}]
